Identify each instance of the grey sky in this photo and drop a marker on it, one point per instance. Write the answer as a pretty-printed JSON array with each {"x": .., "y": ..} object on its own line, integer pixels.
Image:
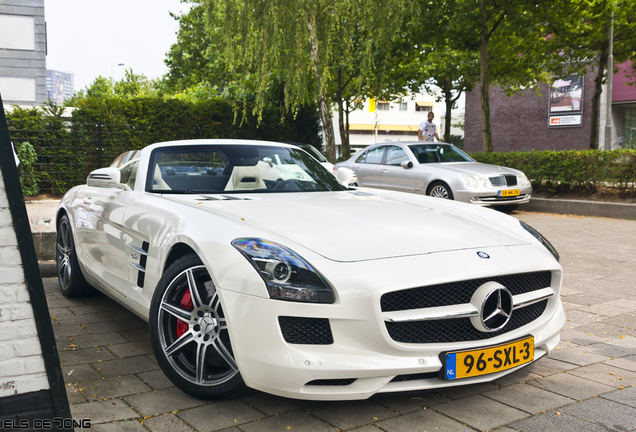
[{"x": 91, "y": 37}]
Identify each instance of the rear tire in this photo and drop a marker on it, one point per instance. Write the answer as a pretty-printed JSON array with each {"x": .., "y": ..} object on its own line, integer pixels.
[
  {"x": 189, "y": 332},
  {"x": 69, "y": 275}
]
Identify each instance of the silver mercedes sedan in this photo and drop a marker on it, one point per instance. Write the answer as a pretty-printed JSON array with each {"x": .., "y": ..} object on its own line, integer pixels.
[{"x": 439, "y": 170}]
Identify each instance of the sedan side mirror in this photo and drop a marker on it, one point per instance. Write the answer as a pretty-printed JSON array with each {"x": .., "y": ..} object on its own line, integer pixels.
[
  {"x": 105, "y": 178},
  {"x": 407, "y": 164}
]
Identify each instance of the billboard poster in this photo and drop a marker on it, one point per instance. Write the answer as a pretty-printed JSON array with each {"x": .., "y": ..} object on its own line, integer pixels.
[{"x": 566, "y": 101}]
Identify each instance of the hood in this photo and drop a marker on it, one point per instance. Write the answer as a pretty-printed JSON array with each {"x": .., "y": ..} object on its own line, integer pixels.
[
  {"x": 358, "y": 226},
  {"x": 475, "y": 168}
]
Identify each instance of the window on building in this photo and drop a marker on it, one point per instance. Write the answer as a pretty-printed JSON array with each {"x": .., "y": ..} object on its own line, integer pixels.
[
  {"x": 383, "y": 106},
  {"x": 404, "y": 106},
  {"x": 423, "y": 106}
]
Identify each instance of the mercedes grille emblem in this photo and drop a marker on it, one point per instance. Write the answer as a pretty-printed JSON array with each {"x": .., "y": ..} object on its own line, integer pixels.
[{"x": 496, "y": 309}]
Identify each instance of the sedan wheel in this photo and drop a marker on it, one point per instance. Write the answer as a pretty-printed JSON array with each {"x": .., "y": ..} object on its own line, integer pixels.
[
  {"x": 69, "y": 274},
  {"x": 440, "y": 190},
  {"x": 189, "y": 332}
]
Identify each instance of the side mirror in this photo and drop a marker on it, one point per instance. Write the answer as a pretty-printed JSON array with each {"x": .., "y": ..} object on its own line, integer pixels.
[
  {"x": 407, "y": 164},
  {"x": 346, "y": 176},
  {"x": 104, "y": 178}
]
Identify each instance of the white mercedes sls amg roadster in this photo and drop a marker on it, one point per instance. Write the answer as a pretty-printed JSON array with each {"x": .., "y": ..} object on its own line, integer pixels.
[{"x": 254, "y": 266}]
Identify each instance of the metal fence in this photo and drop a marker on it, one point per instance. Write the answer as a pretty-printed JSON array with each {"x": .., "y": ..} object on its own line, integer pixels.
[{"x": 65, "y": 156}]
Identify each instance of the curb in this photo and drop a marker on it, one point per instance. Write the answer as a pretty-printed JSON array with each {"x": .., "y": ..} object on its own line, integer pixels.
[{"x": 581, "y": 208}]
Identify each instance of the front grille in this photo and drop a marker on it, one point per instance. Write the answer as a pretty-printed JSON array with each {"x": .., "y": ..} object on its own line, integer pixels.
[
  {"x": 460, "y": 292},
  {"x": 306, "y": 331},
  {"x": 332, "y": 382},
  {"x": 460, "y": 329},
  {"x": 504, "y": 180}
]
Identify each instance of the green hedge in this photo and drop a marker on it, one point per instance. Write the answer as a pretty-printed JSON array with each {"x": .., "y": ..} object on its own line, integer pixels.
[
  {"x": 100, "y": 129},
  {"x": 572, "y": 171}
]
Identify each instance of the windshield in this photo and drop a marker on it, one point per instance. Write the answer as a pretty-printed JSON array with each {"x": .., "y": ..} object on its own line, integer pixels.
[
  {"x": 236, "y": 169},
  {"x": 432, "y": 153},
  {"x": 314, "y": 152}
]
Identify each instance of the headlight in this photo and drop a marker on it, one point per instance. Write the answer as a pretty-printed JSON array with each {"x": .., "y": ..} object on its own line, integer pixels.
[
  {"x": 469, "y": 181},
  {"x": 523, "y": 180},
  {"x": 286, "y": 275},
  {"x": 544, "y": 241}
]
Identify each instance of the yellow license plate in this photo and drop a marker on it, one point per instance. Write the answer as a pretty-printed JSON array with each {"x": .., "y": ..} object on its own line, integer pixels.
[
  {"x": 510, "y": 192},
  {"x": 463, "y": 364}
]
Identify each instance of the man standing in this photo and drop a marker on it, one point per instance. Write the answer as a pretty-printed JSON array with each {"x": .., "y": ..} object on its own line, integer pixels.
[{"x": 428, "y": 130}]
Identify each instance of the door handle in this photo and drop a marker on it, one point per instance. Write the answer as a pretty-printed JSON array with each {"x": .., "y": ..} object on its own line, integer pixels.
[
  {"x": 358, "y": 169},
  {"x": 384, "y": 171}
]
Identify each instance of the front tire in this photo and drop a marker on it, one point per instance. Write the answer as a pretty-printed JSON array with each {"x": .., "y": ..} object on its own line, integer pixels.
[
  {"x": 440, "y": 190},
  {"x": 189, "y": 334},
  {"x": 69, "y": 275}
]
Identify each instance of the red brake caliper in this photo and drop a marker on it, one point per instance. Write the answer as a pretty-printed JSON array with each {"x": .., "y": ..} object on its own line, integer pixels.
[{"x": 186, "y": 303}]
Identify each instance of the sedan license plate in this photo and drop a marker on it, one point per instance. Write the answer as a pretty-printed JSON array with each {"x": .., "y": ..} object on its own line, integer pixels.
[
  {"x": 463, "y": 364},
  {"x": 509, "y": 192}
]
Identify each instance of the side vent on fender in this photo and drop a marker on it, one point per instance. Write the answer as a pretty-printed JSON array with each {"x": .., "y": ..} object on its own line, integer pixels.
[{"x": 141, "y": 255}]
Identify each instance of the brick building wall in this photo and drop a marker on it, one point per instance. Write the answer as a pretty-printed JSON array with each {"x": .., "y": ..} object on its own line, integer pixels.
[
  {"x": 520, "y": 122},
  {"x": 22, "y": 368}
]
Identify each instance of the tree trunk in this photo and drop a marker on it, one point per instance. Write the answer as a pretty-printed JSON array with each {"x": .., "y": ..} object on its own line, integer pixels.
[
  {"x": 342, "y": 122},
  {"x": 596, "y": 98},
  {"x": 323, "y": 106},
  {"x": 483, "y": 79},
  {"x": 448, "y": 99}
]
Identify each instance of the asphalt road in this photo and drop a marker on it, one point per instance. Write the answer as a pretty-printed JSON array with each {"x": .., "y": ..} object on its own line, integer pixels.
[{"x": 587, "y": 384}]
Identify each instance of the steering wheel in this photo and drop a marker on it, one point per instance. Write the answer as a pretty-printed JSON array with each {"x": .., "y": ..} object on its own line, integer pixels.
[{"x": 284, "y": 184}]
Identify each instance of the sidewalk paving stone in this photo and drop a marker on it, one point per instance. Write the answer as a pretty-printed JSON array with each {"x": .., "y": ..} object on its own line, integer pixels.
[
  {"x": 270, "y": 404},
  {"x": 289, "y": 421},
  {"x": 530, "y": 399},
  {"x": 579, "y": 356},
  {"x": 120, "y": 426},
  {"x": 103, "y": 411},
  {"x": 79, "y": 373},
  {"x": 409, "y": 402},
  {"x": 86, "y": 355},
  {"x": 625, "y": 396},
  {"x": 422, "y": 420},
  {"x": 126, "y": 366},
  {"x": 167, "y": 423},
  {"x": 156, "y": 380},
  {"x": 481, "y": 412},
  {"x": 161, "y": 401},
  {"x": 606, "y": 374},
  {"x": 627, "y": 363},
  {"x": 551, "y": 421},
  {"x": 571, "y": 386},
  {"x": 131, "y": 349},
  {"x": 220, "y": 415},
  {"x": 347, "y": 416},
  {"x": 609, "y": 414},
  {"x": 112, "y": 388}
]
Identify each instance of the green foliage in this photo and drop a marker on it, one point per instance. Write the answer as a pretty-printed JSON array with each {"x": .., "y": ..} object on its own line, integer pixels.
[
  {"x": 28, "y": 157},
  {"x": 571, "y": 171},
  {"x": 68, "y": 150}
]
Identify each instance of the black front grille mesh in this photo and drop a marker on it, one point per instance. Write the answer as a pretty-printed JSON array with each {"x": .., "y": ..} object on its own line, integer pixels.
[
  {"x": 504, "y": 180},
  {"x": 460, "y": 329},
  {"x": 306, "y": 331},
  {"x": 460, "y": 292}
]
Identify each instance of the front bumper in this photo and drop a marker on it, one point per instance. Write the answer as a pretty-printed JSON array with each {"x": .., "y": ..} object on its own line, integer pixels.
[
  {"x": 490, "y": 197},
  {"x": 363, "y": 358}
]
